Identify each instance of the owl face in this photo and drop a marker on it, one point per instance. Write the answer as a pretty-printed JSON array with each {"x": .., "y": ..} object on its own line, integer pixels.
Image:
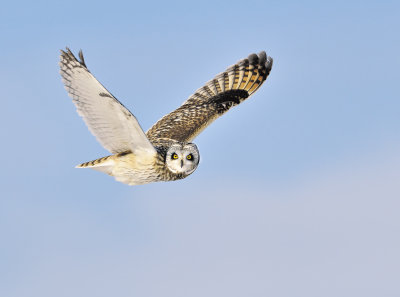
[{"x": 182, "y": 158}]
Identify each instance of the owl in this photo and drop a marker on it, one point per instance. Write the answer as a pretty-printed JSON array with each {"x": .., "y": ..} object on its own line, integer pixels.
[{"x": 165, "y": 152}]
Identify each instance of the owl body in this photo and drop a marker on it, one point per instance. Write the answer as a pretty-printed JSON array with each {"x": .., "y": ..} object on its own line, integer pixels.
[
  {"x": 168, "y": 164},
  {"x": 165, "y": 152}
]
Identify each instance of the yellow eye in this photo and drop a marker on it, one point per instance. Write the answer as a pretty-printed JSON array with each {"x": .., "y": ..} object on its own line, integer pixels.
[
  {"x": 189, "y": 157},
  {"x": 174, "y": 156}
]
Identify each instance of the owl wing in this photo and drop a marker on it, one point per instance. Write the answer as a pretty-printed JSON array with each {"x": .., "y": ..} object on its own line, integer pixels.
[
  {"x": 114, "y": 126},
  {"x": 216, "y": 97}
]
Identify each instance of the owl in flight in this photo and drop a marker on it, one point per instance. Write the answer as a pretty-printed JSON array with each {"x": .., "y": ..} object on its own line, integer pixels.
[{"x": 165, "y": 152}]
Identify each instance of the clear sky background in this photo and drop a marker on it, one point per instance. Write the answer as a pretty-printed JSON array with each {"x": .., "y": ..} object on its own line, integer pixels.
[{"x": 297, "y": 192}]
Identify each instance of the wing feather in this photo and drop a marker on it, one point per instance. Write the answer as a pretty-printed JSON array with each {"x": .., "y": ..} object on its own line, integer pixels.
[
  {"x": 216, "y": 97},
  {"x": 114, "y": 126}
]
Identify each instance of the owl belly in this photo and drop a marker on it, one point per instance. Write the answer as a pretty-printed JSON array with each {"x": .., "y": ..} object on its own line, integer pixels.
[
  {"x": 134, "y": 170},
  {"x": 135, "y": 177}
]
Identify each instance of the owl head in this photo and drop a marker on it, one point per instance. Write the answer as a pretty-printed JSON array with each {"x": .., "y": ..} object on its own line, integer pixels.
[{"x": 182, "y": 158}]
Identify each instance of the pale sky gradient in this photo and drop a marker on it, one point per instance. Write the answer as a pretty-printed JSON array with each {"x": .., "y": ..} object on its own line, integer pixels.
[{"x": 297, "y": 192}]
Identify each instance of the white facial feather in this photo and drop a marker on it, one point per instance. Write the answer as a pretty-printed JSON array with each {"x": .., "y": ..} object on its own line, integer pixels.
[{"x": 182, "y": 158}]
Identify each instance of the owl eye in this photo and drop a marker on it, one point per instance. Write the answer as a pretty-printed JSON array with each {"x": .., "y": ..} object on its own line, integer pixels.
[
  {"x": 189, "y": 157},
  {"x": 174, "y": 156}
]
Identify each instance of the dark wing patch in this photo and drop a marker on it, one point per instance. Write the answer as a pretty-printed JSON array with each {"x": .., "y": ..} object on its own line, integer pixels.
[
  {"x": 227, "y": 99},
  {"x": 216, "y": 97}
]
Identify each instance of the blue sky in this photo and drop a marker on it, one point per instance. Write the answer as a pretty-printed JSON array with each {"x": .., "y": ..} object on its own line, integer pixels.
[{"x": 297, "y": 191}]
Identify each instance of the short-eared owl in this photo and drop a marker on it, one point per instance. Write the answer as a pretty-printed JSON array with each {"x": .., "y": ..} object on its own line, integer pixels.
[{"x": 165, "y": 152}]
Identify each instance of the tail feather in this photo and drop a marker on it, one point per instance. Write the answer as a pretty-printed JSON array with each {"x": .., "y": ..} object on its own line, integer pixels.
[{"x": 104, "y": 164}]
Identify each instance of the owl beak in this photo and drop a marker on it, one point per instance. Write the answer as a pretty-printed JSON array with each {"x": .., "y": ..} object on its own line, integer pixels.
[{"x": 181, "y": 163}]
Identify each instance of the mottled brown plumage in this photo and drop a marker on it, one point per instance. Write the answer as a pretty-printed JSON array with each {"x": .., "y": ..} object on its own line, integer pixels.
[{"x": 216, "y": 97}]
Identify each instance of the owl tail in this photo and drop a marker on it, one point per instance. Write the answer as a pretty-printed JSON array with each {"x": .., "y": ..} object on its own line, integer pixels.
[{"x": 105, "y": 164}]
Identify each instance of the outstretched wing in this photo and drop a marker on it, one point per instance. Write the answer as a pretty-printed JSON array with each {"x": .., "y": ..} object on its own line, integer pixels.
[
  {"x": 114, "y": 126},
  {"x": 226, "y": 90}
]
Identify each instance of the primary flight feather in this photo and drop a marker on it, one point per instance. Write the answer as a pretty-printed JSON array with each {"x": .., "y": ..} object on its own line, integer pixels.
[{"x": 165, "y": 152}]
